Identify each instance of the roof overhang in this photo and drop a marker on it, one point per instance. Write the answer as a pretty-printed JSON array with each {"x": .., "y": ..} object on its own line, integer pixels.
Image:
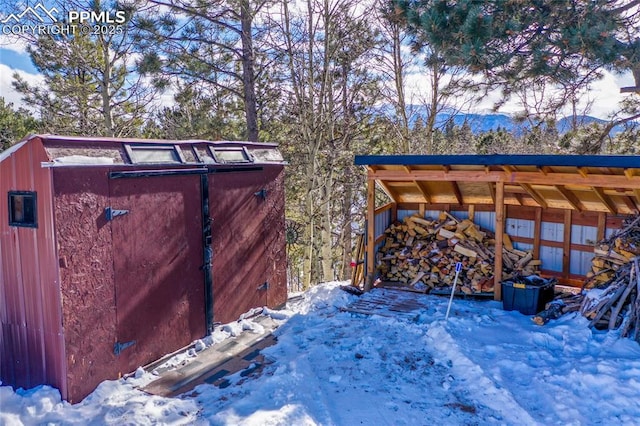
[{"x": 595, "y": 183}]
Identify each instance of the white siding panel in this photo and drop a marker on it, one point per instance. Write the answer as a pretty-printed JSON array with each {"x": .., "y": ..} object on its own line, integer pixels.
[
  {"x": 551, "y": 258},
  {"x": 519, "y": 228},
  {"x": 486, "y": 220},
  {"x": 460, "y": 215},
  {"x": 404, "y": 213},
  {"x": 580, "y": 262},
  {"x": 523, "y": 246},
  {"x": 432, "y": 214},
  {"x": 382, "y": 222},
  {"x": 586, "y": 235},
  {"x": 552, "y": 231}
]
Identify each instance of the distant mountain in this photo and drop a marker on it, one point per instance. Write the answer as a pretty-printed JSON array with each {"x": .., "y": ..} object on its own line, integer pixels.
[{"x": 480, "y": 123}]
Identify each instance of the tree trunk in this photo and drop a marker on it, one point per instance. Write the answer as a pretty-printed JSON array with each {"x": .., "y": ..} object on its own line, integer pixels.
[{"x": 248, "y": 75}]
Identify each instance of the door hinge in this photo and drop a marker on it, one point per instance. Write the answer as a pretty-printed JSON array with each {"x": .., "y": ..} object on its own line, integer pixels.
[
  {"x": 110, "y": 213},
  {"x": 119, "y": 347},
  {"x": 261, "y": 194}
]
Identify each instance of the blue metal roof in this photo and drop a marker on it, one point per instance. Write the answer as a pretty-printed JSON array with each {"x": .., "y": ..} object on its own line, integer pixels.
[{"x": 623, "y": 161}]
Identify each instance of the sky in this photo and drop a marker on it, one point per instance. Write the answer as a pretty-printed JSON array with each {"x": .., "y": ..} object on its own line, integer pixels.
[
  {"x": 482, "y": 366},
  {"x": 605, "y": 94}
]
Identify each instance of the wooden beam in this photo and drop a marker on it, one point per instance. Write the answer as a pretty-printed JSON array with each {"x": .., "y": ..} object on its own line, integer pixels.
[
  {"x": 371, "y": 237},
  {"x": 499, "y": 233},
  {"x": 570, "y": 197},
  {"x": 387, "y": 190},
  {"x": 423, "y": 191},
  {"x": 508, "y": 169},
  {"x": 537, "y": 232},
  {"x": 534, "y": 195},
  {"x": 421, "y": 188},
  {"x": 533, "y": 178},
  {"x": 629, "y": 173},
  {"x": 583, "y": 172},
  {"x": 456, "y": 192},
  {"x": 628, "y": 201},
  {"x": 602, "y": 226},
  {"x": 472, "y": 212},
  {"x": 492, "y": 192},
  {"x": 636, "y": 193},
  {"x": 545, "y": 169},
  {"x": 518, "y": 198},
  {"x": 566, "y": 242},
  {"x": 605, "y": 200},
  {"x": 422, "y": 209}
]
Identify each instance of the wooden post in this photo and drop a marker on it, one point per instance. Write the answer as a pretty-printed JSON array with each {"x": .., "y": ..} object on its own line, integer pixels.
[
  {"x": 566, "y": 245},
  {"x": 394, "y": 212},
  {"x": 499, "y": 207},
  {"x": 537, "y": 230},
  {"x": 371, "y": 237},
  {"x": 421, "y": 209},
  {"x": 472, "y": 212},
  {"x": 602, "y": 226}
]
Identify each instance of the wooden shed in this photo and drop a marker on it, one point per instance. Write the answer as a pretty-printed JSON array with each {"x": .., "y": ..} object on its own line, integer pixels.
[
  {"x": 559, "y": 206},
  {"x": 114, "y": 252}
]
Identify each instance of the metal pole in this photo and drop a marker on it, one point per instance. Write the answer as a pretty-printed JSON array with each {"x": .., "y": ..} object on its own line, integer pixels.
[{"x": 453, "y": 289}]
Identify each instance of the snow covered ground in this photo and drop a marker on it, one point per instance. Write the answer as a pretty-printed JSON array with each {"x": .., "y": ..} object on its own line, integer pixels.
[{"x": 483, "y": 366}]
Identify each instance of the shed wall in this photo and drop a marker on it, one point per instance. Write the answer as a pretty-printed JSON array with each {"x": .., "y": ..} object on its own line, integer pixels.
[
  {"x": 31, "y": 342},
  {"x": 248, "y": 241},
  {"x": 86, "y": 272}
]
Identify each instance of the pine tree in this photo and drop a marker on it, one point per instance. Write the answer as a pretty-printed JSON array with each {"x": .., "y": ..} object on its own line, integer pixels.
[{"x": 14, "y": 124}]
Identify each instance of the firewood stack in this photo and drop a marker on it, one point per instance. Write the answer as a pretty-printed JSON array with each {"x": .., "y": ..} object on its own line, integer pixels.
[
  {"x": 612, "y": 253},
  {"x": 611, "y": 302},
  {"x": 422, "y": 255}
]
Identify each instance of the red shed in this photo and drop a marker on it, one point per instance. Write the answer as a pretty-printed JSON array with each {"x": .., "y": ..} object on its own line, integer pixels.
[{"x": 114, "y": 252}]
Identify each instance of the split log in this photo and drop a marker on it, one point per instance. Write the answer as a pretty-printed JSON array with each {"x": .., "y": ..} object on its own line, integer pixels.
[{"x": 419, "y": 252}]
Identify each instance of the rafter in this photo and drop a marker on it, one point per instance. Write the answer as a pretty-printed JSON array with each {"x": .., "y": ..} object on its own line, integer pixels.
[
  {"x": 534, "y": 195},
  {"x": 628, "y": 201},
  {"x": 518, "y": 198},
  {"x": 570, "y": 197},
  {"x": 423, "y": 191},
  {"x": 605, "y": 199},
  {"x": 390, "y": 193},
  {"x": 492, "y": 191},
  {"x": 583, "y": 172},
  {"x": 420, "y": 186},
  {"x": 629, "y": 173},
  {"x": 456, "y": 192},
  {"x": 544, "y": 169},
  {"x": 508, "y": 169}
]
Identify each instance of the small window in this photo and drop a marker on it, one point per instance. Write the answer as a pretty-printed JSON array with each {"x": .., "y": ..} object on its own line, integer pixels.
[
  {"x": 231, "y": 155},
  {"x": 22, "y": 209},
  {"x": 154, "y": 154}
]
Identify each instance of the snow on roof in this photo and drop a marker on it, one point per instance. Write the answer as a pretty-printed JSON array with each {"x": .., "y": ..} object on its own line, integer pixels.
[{"x": 83, "y": 160}]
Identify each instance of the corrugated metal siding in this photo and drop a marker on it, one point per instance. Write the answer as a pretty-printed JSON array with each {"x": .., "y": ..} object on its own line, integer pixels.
[
  {"x": 586, "y": 235},
  {"x": 460, "y": 214},
  {"x": 404, "y": 213},
  {"x": 580, "y": 262},
  {"x": 31, "y": 345},
  {"x": 486, "y": 220},
  {"x": 551, "y": 258},
  {"x": 382, "y": 222},
  {"x": 520, "y": 228},
  {"x": 552, "y": 231}
]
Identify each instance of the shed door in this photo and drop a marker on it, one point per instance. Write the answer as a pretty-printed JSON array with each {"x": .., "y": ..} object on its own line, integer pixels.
[{"x": 158, "y": 258}]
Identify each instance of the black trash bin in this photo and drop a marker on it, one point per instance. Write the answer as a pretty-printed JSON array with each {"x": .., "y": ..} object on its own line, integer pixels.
[{"x": 528, "y": 295}]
